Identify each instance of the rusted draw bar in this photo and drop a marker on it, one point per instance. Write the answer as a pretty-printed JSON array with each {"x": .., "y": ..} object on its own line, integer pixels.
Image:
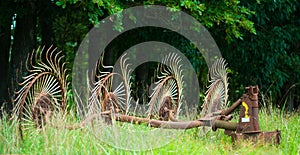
[
  {"x": 176, "y": 125},
  {"x": 131, "y": 119},
  {"x": 232, "y": 107},
  {"x": 158, "y": 123},
  {"x": 225, "y": 125}
]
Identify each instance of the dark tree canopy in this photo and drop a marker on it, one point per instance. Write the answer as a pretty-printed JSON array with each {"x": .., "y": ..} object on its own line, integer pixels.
[{"x": 259, "y": 39}]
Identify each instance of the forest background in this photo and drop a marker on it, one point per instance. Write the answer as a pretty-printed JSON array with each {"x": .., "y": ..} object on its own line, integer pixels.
[{"x": 260, "y": 41}]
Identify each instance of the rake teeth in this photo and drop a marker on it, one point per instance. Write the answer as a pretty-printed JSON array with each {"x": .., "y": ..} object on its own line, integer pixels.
[
  {"x": 43, "y": 89},
  {"x": 103, "y": 96},
  {"x": 169, "y": 86},
  {"x": 217, "y": 93}
]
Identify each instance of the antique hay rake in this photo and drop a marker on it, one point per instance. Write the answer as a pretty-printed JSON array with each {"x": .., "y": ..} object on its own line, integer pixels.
[{"x": 44, "y": 91}]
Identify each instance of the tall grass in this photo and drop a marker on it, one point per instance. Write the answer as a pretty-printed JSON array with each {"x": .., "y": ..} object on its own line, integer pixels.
[{"x": 50, "y": 140}]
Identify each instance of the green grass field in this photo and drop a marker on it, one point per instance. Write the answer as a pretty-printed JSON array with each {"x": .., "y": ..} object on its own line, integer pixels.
[{"x": 50, "y": 140}]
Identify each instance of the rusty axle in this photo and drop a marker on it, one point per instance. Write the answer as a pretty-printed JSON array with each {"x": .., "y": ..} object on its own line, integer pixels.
[
  {"x": 176, "y": 125},
  {"x": 246, "y": 128}
]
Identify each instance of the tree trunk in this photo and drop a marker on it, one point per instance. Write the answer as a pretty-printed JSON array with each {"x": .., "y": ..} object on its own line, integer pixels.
[
  {"x": 46, "y": 13},
  {"x": 24, "y": 42},
  {"x": 5, "y": 40}
]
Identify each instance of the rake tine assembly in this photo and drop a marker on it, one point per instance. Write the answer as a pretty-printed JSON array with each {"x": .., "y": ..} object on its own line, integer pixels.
[{"x": 45, "y": 89}]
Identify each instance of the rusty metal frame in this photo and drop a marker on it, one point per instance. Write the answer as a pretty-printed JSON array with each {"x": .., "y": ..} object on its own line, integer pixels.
[{"x": 247, "y": 127}]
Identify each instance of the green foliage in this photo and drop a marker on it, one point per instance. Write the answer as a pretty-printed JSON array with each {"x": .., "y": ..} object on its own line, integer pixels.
[
  {"x": 96, "y": 9},
  {"x": 265, "y": 53},
  {"x": 70, "y": 27},
  {"x": 259, "y": 39},
  {"x": 229, "y": 13},
  {"x": 228, "y": 17},
  {"x": 269, "y": 58}
]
